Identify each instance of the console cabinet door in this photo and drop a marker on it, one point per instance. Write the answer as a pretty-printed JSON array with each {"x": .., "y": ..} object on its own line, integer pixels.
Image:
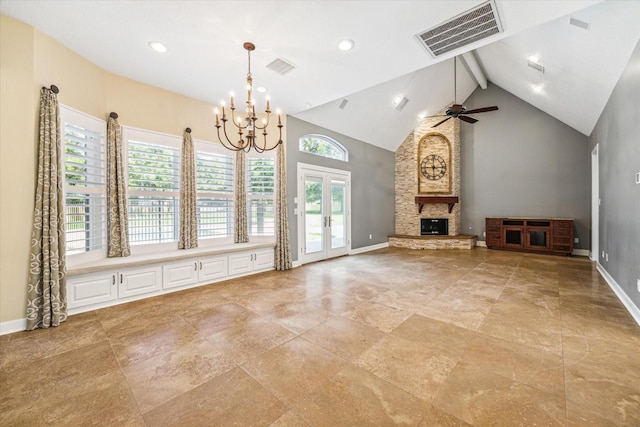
[
  {"x": 263, "y": 259},
  {"x": 91, "y": 289},
  {"x": 138, "y": 281},
  {"x": 240, "y": 263},
  {"x": 212, "y": 268},
  {"x": 180, "y": 273}
]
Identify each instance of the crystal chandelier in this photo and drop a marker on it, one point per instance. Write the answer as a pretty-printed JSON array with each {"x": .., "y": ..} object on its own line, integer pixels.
[{"x": 247, "y": 125}]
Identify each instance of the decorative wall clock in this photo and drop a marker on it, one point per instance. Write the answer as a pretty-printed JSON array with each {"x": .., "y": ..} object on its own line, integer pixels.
[{"x": 433, "y": 167}]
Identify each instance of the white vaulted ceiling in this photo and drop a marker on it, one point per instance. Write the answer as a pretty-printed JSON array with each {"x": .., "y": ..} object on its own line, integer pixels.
[{"x": 206, "y": 59}]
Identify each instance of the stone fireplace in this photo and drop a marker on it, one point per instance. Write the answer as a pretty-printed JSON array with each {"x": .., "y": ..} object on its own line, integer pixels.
[{"x": 427, "y": 186}]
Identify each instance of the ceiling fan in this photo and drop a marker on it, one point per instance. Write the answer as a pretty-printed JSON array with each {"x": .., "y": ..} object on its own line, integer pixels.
[{"x": 458, "y": 111}]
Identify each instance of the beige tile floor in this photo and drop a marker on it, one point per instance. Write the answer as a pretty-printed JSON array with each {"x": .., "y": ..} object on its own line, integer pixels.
[{"x": 391, "y": 337}]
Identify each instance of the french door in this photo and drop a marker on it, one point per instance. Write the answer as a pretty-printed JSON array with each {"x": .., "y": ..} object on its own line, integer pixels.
[{"x": 324, "y": 213}]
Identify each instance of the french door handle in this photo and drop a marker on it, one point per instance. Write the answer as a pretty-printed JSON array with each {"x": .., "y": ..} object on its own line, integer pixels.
[{"x": 325, "y": 221}]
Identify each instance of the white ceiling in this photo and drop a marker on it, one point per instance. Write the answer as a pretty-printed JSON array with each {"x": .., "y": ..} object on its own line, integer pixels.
[{"x": 206, "y": 59}]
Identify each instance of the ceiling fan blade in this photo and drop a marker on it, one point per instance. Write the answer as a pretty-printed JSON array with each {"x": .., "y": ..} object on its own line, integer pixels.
[
  {"x": 439, "y": 123},
  {"x": 481, "y": 110},
  {"x": 467, "y": 119}
]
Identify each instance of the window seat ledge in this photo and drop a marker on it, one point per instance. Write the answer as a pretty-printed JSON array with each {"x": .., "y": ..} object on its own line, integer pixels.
[{"x": 160, "y": 257}]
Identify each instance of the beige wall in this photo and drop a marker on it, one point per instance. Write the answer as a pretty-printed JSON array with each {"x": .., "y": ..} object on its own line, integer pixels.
[{"x": 30, "y": 60}]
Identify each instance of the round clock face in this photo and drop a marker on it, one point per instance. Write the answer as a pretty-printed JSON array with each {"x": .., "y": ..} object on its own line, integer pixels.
[{"x": 433, "y": 167}]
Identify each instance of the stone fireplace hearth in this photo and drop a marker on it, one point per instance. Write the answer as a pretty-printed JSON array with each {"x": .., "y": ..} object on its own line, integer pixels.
[{"x": 427, "y": 186}]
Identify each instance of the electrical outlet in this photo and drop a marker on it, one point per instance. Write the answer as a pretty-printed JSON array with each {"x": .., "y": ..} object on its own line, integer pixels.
[
  {"x": 602, "y": 254},
  {"x": 638, "y": 178},
  {"x": 638, "y": 284},
  {"x": 370, "y": 236},
  {"x": 606, "y": 257},
  {"x": 484, "y": 234},
  {"x": 576, "y": 240}
]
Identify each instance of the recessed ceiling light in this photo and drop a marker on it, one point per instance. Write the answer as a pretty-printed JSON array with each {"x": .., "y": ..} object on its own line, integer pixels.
[
  {"x": 346, "y": 45},
  {"x": 261, "y": 89},
  {"x": 422, "y": 116},
  {"x": 158, "y": 46},
  {"x": 533, "y": 58}
]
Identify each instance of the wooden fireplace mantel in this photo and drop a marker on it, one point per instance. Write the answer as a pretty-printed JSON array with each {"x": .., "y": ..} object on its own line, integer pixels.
[{"x": 448, "y": 200}]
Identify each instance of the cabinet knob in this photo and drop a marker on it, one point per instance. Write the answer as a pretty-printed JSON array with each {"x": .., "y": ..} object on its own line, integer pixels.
[
  {"x": 113, "y": 279},
  {"x": 195, "y": 266},
  {"x": 120, "y": 277},
  {"x": 200, "y": 265}
]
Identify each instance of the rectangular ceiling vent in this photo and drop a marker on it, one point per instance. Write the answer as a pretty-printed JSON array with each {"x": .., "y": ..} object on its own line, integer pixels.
[
  {"x": 580, "y": 24},
  {"x": 536, "y": 66},
  {"x": 469, "y": 27},
  {"x": 281, "y": 66}
]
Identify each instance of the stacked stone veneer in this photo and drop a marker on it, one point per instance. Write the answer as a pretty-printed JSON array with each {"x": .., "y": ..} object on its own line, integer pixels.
[{"x": 407, "y": 179}]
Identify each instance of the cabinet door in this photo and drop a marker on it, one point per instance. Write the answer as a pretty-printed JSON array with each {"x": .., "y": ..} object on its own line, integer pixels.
[
  {"x": 212, "y": 268},
  {"x": 240, "y": 263},
  {"x": 263, "y": 259},
  {"x": 181, "y": 273},
  {"x": 91, "y": 289},
  {"x": 137, "y": 281}
]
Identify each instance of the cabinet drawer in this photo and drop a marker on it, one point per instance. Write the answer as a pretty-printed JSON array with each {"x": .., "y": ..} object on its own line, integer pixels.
[
  {"x": 562, "y": 232},
  {"x": 562, "y": 248},
  {"x": 493, "y": 221},
  {"x": 562, "y": 224},
  {"x": 561, "y": 240}
]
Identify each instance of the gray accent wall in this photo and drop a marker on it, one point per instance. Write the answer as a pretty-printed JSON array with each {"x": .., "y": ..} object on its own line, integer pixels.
[
  {"x": 520, "y": 161},
  {"x": 372, "y": 184},
  {"x": 617, "y": 134}
]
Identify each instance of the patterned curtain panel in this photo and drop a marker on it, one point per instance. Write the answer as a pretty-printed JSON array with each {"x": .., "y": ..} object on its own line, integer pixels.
[
  {"x": 240, "y": 229},
  {"x": 47, "y": 291},
  {"x": 188, "y": 219},
  {"x": 283, "y": 244},
  {"x": 117, "y": 217}
]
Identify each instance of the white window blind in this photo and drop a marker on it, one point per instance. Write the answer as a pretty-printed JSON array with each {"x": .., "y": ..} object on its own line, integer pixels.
[
  {"x": 154, "y": 187},
  {"x": 84, "y": 181},
  {"x": 261, "y": 196},
  {"x": 214, "y": 186}
]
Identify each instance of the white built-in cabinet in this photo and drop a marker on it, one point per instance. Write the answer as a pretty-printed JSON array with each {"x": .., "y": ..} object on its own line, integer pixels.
[
  {"x": 244, "y": 263},
  {"x": 191, "y": 272},
  {"x": 96, "y": 288},
  {"x": 109, "y": 287}
]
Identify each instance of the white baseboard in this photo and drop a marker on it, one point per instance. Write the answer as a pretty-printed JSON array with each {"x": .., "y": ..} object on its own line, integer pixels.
[
  {"x": 369, "y": 248},
  {"x": 296, "y": 264},
  {"x": 12, "y": 326},
  {"x": 622, "y": 296},
  {"x": 582, "y": 252},
  {"x": 481, "y": 243}
]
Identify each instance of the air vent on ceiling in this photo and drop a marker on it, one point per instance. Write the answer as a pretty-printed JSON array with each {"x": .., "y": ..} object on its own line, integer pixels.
[
  {"x": 536, "y": 66},
  {"x": 580, "y": 24},
  {"x": 401, "y": 103},
  {"x": 475, "y": 24},
  {"x": 281, "y": 66}
]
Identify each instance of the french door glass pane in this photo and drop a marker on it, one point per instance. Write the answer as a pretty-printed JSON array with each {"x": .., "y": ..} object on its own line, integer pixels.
[
  {"x": 313, "y": 215},
  {"x": 337, "y": 214}
]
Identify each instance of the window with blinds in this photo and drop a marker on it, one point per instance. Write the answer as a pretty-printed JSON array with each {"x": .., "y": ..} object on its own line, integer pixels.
[
  {"x": 154, "y": 187},
  {"x": 214, "y": 186},
  {"x": 261, "y": 196},
  {"x": 84, "y": 181}
]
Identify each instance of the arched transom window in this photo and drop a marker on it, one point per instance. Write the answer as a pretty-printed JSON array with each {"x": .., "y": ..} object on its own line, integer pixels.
[{"x": 322, "y": 145}]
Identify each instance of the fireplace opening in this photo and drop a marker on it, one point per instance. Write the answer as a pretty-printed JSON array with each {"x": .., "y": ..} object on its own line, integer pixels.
[{"x": 434, "y": 226}]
